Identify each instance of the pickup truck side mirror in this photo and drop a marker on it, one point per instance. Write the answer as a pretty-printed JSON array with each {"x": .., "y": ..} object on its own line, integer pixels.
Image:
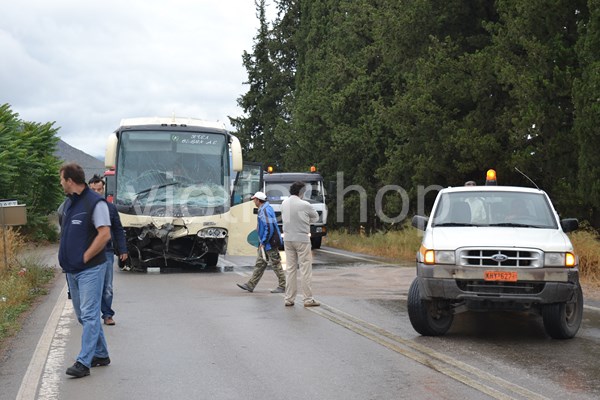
[
  {"x": 569, "y": 224},
  {"x": 419, "y": 222}
]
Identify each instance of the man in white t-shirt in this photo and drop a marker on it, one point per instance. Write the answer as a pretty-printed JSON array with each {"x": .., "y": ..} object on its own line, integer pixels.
[{"x": 297, "y": 215}]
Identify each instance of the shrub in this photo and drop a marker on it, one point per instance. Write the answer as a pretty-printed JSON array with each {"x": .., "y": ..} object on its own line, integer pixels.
[
  {"x": 400, "y": 245},
  {"x": 22, "y": 279},
  {"x": 587, "y": 247}
]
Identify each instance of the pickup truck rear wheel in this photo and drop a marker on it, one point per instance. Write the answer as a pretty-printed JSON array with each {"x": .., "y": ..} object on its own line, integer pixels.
[
  {"x": 428, "y": 317},
  {"x": 562, "y": 320}
]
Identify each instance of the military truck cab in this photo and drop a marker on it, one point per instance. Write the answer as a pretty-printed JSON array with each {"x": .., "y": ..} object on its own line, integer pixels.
[{"x": 277, "y": 188}]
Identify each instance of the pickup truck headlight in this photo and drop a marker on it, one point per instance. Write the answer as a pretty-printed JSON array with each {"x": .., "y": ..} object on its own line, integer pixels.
[
  {"x": 212, "y": 233},
  {"x": 438, "y": 256},
  {"x": 567, "y": 259},
  {"x": 445, "y": 257}
]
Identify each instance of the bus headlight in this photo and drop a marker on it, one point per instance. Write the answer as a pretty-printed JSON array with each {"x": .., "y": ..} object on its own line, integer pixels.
[
  {"x": 212, "y": 233},
  {"x": 560, "y": 260}
]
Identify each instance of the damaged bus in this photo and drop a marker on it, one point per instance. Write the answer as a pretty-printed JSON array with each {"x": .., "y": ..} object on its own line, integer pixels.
[{"x": 182, "y": 191}]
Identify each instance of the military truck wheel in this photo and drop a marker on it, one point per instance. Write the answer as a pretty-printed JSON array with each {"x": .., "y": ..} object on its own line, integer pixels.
[
  {"x": 316, "y": 242},
  {"x": 428, "y": 317},
  {"x": 562, "y": 320}
]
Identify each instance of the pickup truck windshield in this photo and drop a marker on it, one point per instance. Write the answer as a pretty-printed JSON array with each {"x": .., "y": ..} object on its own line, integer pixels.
[{"x": 490, "y": 208}]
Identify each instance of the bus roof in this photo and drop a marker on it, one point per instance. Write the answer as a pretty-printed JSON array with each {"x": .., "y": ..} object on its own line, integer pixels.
[{"x": 166, "y": 121}]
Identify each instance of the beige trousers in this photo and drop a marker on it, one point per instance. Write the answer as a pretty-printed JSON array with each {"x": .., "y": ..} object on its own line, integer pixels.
[{"x": 298, "y": 256}]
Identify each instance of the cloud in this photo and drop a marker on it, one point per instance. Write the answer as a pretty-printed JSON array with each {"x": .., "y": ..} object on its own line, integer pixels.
[{"x": 87, "y": 65}]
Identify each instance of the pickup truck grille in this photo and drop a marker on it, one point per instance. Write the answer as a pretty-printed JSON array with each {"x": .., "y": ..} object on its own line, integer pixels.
[
  {"x": 526, "y": 258},
  {"x": 498, "y": 288}
]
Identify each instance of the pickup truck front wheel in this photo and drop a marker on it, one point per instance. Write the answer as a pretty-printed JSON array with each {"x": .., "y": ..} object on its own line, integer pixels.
[
  {"x": 562, "y": 320},
  {"x": 428, "y": 317}
]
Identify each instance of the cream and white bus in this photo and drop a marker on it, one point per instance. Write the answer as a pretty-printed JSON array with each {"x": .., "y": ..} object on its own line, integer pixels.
[{"x": 182, "y": 192}]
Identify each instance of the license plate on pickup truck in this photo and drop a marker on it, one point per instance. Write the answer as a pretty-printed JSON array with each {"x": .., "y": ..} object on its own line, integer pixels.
[{"x": 504, "y": 276}]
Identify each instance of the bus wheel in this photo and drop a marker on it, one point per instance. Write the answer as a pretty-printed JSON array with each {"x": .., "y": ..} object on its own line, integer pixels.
[{"x": 211, "y": 259}]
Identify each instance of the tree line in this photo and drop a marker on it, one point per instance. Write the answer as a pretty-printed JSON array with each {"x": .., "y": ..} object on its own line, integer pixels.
[
  {"x": 29, "y": 170},
  {"x": 424, "y": 92}
]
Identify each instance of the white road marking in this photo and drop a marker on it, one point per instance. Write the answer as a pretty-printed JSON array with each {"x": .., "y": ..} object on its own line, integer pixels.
[
  {"x": 30, "y": 381},
  {"x": 358, "y": 258},
  {"x": 483, "y": 381},
  {"x": 55, "y": 365},
  {"x": 597, "y": 309}
]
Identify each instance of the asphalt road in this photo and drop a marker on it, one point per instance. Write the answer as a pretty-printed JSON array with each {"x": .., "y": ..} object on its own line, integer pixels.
[{"x": 196, "y": 335}]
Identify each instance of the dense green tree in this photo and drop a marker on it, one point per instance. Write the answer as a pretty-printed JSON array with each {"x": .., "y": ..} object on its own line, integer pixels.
[
  {"x": 338, "y": 97},
  {"x": 586, "y": 95},
  {"x": 535, "y": 62},
  {"x": 284, "y": 55},
  {"x": 9, "y": 124},
  {"x": 442, "y": 110},
  {"x": 422, "y": 92},
  {"x": 28, "y": 167},
  {"x": 270, "y": 78}
]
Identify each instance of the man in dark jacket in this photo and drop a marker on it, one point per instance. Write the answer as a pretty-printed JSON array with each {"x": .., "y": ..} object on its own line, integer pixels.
[
  {"x": 85, "y": 230},
  {"x": 117, "y": 245}
]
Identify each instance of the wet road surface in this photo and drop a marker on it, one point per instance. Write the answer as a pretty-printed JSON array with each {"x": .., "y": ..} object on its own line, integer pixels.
[{"x": 196, "y": 335}]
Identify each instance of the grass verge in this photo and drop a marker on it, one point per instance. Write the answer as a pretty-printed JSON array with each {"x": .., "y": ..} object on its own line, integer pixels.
[
  {"x": 399, "y": 246},
  {"x": 23, "y": 278},
  {"x": 587, "y": 247}
]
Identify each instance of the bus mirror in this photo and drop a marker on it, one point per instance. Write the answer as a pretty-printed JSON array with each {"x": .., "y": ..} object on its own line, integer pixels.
[
  {"x": 236, "y": 154},
  {"x": 110, "y": 158}
]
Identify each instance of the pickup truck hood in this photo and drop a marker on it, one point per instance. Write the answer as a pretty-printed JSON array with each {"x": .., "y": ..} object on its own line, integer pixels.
[{"x": 452, "y": 238}]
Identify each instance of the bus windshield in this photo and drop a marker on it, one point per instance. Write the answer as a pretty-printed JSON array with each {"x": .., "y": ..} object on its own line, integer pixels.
[{"x": 172, "y": 173}]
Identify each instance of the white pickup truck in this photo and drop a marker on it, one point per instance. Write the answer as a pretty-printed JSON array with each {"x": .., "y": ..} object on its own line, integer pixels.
[{"x": 489, "y": 248}]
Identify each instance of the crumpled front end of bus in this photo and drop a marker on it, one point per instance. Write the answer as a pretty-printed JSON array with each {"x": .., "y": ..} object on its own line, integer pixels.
[{"x": 173, "y": 245}]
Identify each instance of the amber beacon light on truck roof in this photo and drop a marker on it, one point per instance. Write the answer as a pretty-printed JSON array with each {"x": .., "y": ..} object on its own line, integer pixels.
[
  {"x": 490, "y": 178},
  {"x": 270, "y": 169}
]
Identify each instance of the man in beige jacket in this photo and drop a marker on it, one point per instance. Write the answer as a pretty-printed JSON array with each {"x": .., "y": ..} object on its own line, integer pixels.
[{"x": 297, "y": 215}]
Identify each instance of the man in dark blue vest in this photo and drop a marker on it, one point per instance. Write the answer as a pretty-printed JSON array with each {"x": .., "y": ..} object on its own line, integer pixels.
[{"x": 85, "y": 230}]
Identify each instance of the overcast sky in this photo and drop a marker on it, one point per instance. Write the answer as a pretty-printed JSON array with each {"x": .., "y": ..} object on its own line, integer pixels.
[{"x": 87, "y": 64}]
